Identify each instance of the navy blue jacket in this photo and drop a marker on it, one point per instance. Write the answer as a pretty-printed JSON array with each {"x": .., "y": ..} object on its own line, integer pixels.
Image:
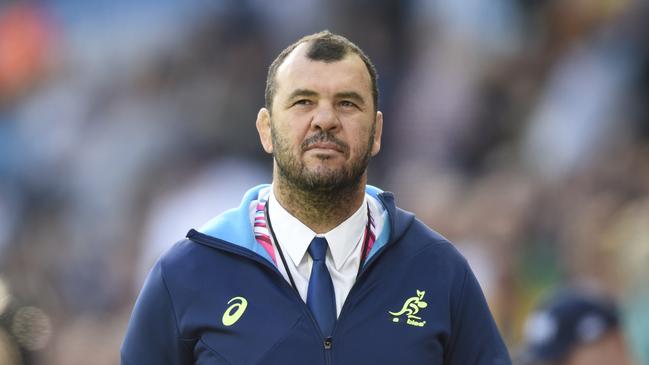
[{"x": 217, "y": 298}]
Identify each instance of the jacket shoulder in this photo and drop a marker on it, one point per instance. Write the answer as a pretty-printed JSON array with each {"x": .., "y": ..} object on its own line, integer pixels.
[
  {"x": 419, "y": 235},
  {"x": 180, "y": 254},
  {"x": 185, "y": 260}
]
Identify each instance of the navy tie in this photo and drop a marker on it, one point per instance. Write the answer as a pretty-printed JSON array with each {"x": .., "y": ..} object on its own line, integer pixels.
[{"x": 320, "y": 297}]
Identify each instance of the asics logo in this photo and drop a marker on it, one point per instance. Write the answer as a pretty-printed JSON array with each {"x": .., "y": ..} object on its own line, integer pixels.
[{"x": 235, "y": 310}]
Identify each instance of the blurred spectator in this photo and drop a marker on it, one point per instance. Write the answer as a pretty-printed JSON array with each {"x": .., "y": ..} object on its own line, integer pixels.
[
  {"x": 575, "y": 327},
  {"x": 25, "y": 40}
]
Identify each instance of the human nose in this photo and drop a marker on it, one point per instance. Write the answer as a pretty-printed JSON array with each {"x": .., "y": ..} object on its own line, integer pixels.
[{"x": 325, "y": 119}]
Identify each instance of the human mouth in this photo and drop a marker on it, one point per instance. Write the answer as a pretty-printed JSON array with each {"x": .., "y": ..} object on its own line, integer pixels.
[{"x": 324, "y": 146}]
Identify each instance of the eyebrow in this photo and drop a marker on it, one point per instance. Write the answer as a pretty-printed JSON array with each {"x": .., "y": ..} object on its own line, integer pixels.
[
  {"x": 301, "y": 92},
  {"x": 351, "y": 95}
]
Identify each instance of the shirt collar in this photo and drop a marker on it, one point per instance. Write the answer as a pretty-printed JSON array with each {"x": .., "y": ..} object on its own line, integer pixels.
[{"x": 296, "y": 237}]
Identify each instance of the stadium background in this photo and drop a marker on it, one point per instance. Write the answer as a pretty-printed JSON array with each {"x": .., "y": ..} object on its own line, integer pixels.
[{"x": 518, "y": 129}]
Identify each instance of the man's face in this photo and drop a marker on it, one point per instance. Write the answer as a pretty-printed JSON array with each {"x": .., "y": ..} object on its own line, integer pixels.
[
  {"x": 323, "y": 128},
  {"x": 611, "y": 349}
]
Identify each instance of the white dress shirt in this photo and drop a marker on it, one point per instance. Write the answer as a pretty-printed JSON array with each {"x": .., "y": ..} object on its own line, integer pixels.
[{"x": 345, "y": 245}]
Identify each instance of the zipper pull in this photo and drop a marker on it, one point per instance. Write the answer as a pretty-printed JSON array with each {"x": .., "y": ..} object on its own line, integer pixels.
[{"x": 328, "y": 343}]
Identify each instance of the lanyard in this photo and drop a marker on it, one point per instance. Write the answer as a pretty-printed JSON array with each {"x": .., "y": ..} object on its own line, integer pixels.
[{"x": 364, "y": 252}]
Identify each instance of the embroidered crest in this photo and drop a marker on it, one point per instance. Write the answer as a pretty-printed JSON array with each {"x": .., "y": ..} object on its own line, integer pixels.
[{"x": 410, "y": 309}]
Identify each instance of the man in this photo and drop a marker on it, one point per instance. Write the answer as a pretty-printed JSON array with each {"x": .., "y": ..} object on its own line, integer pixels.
[
  {"x": 317, "y": 268},
  {"x": 575, "y": 327}
]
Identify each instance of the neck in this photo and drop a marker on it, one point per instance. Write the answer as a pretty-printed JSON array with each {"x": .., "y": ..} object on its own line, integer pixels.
[{"x": 318, "y": 210}]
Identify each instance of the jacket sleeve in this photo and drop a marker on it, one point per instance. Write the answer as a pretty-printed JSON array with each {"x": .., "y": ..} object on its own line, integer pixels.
[
  {"x": 152, "y": 336},
  {"x": 474, "y": 339}
]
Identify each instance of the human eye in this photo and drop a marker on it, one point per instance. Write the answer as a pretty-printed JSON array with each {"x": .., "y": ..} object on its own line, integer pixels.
[
  {"x": 347, "y": 104},
  {"x": 302, "y": 102}
]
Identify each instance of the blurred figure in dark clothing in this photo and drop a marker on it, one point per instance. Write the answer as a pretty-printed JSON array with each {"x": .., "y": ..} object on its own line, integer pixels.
[{"x": 575, "y": 327}]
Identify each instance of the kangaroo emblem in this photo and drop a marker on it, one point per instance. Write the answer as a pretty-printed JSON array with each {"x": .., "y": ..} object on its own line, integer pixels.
[{"x": 410, "y": 308}]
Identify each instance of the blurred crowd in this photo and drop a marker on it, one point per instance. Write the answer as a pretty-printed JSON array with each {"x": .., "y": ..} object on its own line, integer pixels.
[{"x": 517, "y": 129}]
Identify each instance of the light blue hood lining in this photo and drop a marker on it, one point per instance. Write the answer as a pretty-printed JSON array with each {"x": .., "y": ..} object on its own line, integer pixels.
[{"x": 235, "y": 226}]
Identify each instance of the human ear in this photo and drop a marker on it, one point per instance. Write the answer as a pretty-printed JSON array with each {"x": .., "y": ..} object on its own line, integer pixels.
[
  {"x": 378, "y": 130},
  {"x": 263, "y": 128}
]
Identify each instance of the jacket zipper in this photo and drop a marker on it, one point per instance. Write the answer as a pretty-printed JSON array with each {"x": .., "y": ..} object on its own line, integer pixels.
[{"x": 328, "y": 343}]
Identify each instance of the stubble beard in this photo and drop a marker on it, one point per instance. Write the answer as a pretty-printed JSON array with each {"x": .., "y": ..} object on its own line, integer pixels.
[{"x": 329, "y": 183}]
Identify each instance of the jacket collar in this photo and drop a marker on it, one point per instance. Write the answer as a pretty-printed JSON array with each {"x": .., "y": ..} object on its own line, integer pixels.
[{"x": 234, "y": 226}]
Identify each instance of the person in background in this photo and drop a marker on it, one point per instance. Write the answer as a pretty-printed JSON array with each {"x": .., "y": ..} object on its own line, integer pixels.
[{"x": 576, "y": 326}]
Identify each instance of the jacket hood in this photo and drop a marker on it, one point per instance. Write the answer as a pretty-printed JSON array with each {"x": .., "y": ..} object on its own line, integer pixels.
[{"x": 235, "y": 227}]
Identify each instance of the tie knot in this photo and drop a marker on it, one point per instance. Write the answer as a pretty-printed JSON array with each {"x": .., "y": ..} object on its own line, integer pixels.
[{"x": 318, "y": 249}]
